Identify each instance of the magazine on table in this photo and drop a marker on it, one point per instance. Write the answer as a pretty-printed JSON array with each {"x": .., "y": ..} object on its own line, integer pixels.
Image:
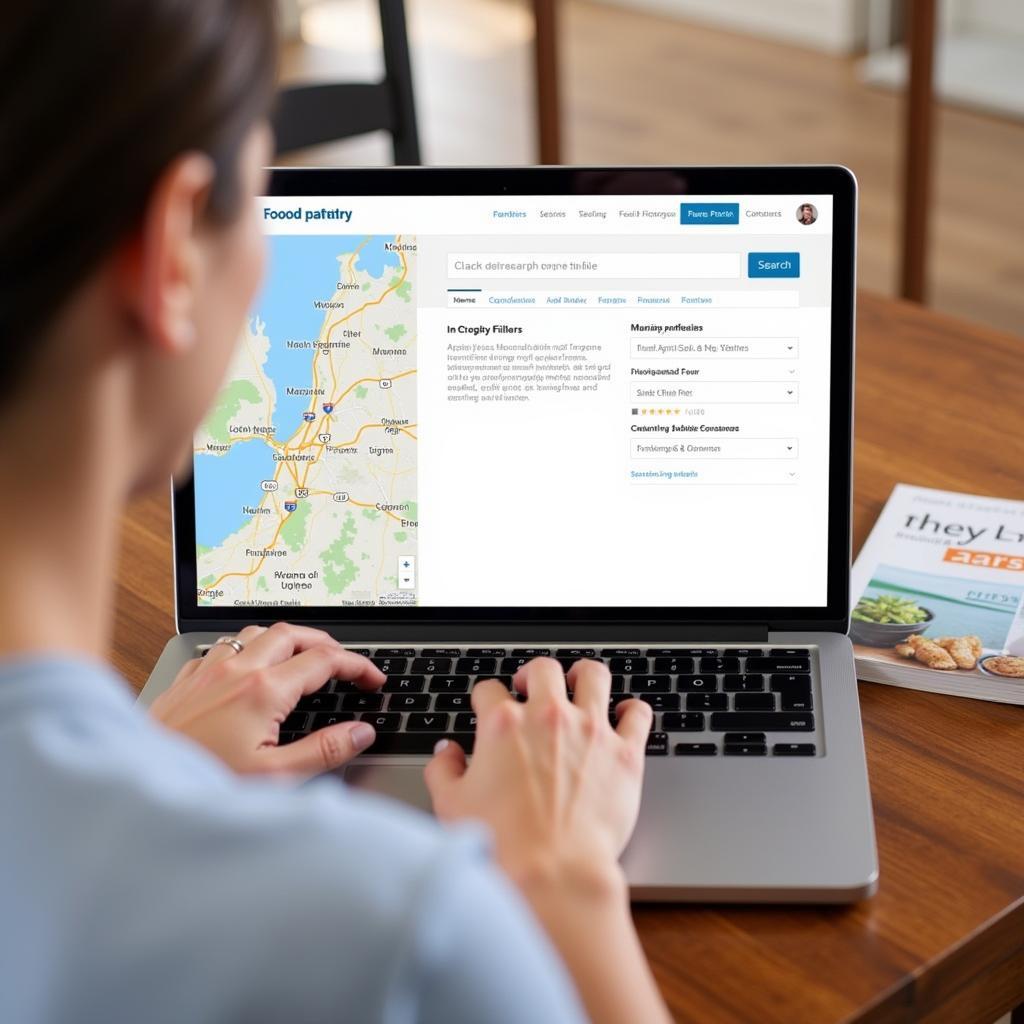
[{"x": 937, "y": 595}]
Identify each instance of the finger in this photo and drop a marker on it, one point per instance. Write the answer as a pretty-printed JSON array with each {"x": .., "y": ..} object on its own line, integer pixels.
[
  {"x": 635, "y": 718},
  {"x": 281, "y": 641},
  {"x": 591, "y": 682},
  {"x": 220, "y": 651},
  {"x": 542, "y": 680},
  {"x": 444, "y": 769},
  {"x": 323, "y": 750},
  {"x": 308, "y": 670},
  {"x": 486, "y": 695}
]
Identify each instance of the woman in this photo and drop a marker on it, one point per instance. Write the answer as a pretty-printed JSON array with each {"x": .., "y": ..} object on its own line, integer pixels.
[{"x": 149, "y": 868}]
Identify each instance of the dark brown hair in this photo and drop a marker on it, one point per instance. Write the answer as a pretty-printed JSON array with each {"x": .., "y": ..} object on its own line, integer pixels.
[{"x": 97, "y": 99}]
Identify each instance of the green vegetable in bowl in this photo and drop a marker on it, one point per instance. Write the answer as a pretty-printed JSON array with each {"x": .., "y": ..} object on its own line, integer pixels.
[{"x": 889, "y": 609}]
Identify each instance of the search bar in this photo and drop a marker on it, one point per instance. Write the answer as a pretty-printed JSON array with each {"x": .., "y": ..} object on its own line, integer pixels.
[{"x": 594, "y": 265}]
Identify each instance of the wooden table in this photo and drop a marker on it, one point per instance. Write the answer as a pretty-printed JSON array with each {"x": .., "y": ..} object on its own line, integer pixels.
[{"x": 938, "y": 404}]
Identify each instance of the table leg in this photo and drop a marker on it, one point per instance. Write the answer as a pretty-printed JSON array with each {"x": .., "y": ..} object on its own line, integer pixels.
[
  {"x": 549, "y": 128},
  {"x": 917, "y": 154}
]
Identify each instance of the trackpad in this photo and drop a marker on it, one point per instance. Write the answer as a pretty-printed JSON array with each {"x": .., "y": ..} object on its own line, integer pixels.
[{"x": 400, "y": 781}]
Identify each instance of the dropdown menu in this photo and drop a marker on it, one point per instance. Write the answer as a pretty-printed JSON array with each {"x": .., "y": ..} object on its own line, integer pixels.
[
  {"x": 710, "y": 447},
  {"x": 712, "y": 393}
]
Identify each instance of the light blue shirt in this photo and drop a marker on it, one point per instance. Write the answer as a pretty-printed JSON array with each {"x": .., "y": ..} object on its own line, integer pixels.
[{"x": 141, "y": 881}]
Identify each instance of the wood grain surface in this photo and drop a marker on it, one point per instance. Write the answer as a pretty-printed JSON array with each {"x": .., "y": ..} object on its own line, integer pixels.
[{"x": 938, "y": 404}]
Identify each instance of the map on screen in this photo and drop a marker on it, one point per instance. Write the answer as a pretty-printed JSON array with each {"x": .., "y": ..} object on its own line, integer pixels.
[{"x": 306, "y": 466}]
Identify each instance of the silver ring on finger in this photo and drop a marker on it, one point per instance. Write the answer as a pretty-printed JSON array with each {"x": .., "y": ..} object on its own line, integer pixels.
[{"x": 231, "y": 642}]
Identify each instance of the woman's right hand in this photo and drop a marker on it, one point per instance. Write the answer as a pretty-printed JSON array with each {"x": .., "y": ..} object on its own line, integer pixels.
[{"x": 559, "y": 787}]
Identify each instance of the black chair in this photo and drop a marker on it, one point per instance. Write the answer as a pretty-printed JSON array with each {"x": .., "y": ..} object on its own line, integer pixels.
[{"x": 310, "y": 115}]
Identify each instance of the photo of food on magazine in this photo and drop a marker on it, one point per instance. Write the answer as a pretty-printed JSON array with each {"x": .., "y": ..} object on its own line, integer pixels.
[{"x": 937, "y": 596}]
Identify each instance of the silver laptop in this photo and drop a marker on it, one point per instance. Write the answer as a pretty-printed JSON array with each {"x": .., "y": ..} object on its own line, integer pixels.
[{"x": 478, "y": 415}]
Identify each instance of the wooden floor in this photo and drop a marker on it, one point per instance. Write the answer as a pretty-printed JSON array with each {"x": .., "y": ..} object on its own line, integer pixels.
[{"x": 646, "y": 89}]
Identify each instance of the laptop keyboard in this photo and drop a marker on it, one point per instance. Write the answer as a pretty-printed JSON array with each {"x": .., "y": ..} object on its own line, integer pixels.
[{"x": 707, "y": 701}]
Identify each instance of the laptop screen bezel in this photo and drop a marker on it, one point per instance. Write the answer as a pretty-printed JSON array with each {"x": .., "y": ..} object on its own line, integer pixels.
[{"x": 569, "y": 181}]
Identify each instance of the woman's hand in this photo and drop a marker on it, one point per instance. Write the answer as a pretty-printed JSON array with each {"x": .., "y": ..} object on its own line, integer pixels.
[
  {"x": 233, "y": 703},
  {"x": 558, "y": 785}
]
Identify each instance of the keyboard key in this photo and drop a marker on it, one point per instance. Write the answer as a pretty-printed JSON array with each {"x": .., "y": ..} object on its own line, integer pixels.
[
  {"x": 362, "y": 702},
  {"x": 465, "y": 722},
  {"x": 391, "y": 666},
  {"x": 432, "y": 722},
  {"x": 673, "y": 665},
  {"x": 744, "y": 737},
  {"x": 753, "y": 721},
  {"x": 284, "y": 738},
  {"x": 576, "y": 652},
  {"x": 382, "y": 721},
  {"x": 618, "y": 684},
  {"x": 506, "y": 680},
  {"x": 449, "y": 684},
  {"x": 657, "y": 744},
  {"x": 343, "y": 686},
  {"x": 778, "y": 665},
  {"x": 794, "y": 750},
  {"x": 650, "y": 684},
  {"x": 706, "y": 702},
  {"x": 485, "y": 652},
  {"x": 661, "y": 701},
  {"x": 409, "y": 702},
  {"x": 404, "y": 684},
  {"x": 395, "y": 652},
  {"x": 514, "y": 664},
  {"x": 743, "y": 683},
  {"x": 696, "y": 749},
  {"x": 324, "y": 719},
  {"x": 621, "y": 652},
  {"x": 745, "y": 652},
  {"x": 754, "y": 702},
  {"x": 794, "y": 692},
  {"x": 364, "y": 651},
  {"x": 418, "y": 742},
  {"x": 628, "y": 666},
  {"x": 441, "y": 652},
  {"x": 476, "y": 666},
  {"x": 531, "y": 652},
  {"x": 789, "y": 652},
  {"x": 745, "y": 749},
  {"x": 781, "y": 679},
  {"x": 432, "y": 666},
  {"x": 795, "y": 700},
  {"x": 297, "y": 721},
  {"x": 719, "y": 664},
  {"x": 688, "y": 722},
  {"x": 318, "y": 702},
  {"x": 697, "y": 684},
  {"x": 698, "y": 652},
  {"x": 452, "y": 702}
]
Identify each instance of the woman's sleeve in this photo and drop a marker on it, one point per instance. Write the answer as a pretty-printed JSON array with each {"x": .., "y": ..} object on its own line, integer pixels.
[{"x": 484, "y": 957}]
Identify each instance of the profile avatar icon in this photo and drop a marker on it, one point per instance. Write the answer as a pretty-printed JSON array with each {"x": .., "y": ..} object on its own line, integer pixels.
[{"x": 806, "y": 213}]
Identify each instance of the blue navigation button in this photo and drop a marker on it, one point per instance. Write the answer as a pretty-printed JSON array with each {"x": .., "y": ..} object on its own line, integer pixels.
[
  {"x": 773, "y": 264},
  {"x": 709, "y": 213}
]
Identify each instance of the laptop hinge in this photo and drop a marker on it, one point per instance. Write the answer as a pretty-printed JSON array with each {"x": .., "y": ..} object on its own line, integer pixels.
[{"x": 522, "y": 631}]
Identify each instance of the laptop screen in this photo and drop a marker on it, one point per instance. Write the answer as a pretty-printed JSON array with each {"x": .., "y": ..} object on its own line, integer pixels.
[{"x": 519, "y": 401}]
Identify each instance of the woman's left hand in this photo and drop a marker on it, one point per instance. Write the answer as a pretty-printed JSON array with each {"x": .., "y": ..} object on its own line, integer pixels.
[{"x": 233, "y": 702}]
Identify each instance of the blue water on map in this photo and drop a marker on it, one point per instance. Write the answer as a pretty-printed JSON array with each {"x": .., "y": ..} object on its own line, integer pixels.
[
  {"x": 302, "y": 269},
  {"x": 373, "y": 260},
  {"x": 224, "y": 483}
]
